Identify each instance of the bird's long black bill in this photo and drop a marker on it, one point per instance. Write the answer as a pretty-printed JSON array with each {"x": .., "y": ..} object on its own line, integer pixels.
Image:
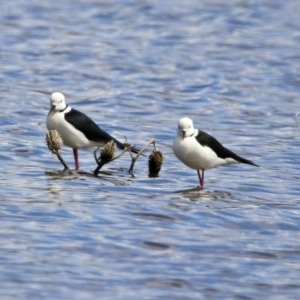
[{"x": 51, "y": 109}]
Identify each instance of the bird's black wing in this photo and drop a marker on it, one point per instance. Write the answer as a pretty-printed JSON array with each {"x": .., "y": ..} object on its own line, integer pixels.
[
  {"x": 90, "y": 129},
  {"x": 205, "y": 139}
]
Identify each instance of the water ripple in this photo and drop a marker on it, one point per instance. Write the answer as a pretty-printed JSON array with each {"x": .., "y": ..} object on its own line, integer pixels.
[{"x": 136, "y": 67}]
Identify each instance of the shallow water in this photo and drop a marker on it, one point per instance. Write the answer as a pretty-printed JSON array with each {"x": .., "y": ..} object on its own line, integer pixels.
[{"x": 136, "y": 67}]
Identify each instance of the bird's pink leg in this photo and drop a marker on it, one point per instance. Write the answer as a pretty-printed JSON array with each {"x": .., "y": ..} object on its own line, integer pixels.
[
  {"x": 200, "y": 179},
  {"x": 75, "y": 152}
]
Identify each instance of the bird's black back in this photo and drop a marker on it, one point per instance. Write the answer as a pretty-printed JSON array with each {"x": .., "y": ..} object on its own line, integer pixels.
[
  {"x": 207, "y": 140},
  {"x": 89, "y": 128}
]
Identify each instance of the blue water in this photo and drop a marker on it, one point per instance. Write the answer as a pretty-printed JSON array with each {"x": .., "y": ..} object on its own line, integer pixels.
[{"x": 136, "y": 67}]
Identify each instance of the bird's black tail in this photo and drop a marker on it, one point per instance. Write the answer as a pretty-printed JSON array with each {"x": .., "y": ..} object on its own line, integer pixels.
[{"x": 246, "y": 161}]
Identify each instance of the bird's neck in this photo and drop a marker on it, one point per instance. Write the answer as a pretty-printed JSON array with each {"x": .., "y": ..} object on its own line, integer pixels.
[
  {"x": 64, "y": 108},
  {"x": 194, "y": 133}
]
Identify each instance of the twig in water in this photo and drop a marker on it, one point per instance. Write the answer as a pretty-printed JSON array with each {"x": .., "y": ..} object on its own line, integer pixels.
[
  {"x": 107, "y": 155},
  {"x": 54, "y": 143},
  {"x": 108, "y": 152},
  {"x": 134, "y": 158}
]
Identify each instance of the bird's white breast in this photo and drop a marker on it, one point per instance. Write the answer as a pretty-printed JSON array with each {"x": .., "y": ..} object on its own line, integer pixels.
[{"x": 71, "y": 136}]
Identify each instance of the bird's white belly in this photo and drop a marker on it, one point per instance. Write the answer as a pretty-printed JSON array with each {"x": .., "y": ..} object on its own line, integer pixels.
[
  {"x": 71, "y": 136},
  {"x": 196, "y": 156}
]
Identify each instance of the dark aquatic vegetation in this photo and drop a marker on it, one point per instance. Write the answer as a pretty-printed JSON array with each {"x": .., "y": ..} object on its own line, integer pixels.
[
  {"x": 155, "y": 161},
  {"x": 54, "y": 143}
]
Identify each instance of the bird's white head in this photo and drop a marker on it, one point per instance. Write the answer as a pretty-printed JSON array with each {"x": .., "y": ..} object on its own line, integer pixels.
[
  {"x": 57, "y": 102},
  {"x": 185, "y": 128}
]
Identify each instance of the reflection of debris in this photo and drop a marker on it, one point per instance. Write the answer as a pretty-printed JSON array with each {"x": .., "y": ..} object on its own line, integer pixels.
[
  {"x": 296, "y": 115},
  {"x": 54, "y": 143},
  {"x": 155, "y": 162}
]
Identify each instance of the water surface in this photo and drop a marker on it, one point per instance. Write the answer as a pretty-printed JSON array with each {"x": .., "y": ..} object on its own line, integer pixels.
[{"x": 136, "y": 67}]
